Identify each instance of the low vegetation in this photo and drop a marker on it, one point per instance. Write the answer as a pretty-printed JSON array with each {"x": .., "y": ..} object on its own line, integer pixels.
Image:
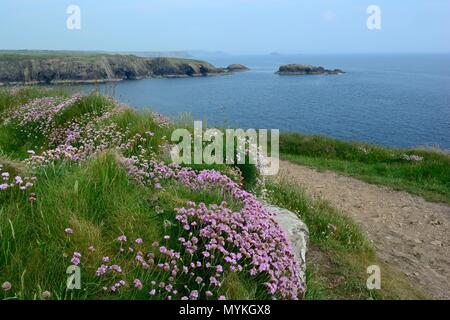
[
  {"x": 420, "y": 171},
  {"x": 86, "y": 181}
]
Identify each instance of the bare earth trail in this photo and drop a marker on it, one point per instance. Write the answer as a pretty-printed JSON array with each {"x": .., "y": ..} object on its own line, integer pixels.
[{"x": 409, "y": 233}]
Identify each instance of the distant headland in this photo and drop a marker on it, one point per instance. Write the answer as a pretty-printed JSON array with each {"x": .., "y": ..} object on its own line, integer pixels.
[{"x": 54, "y": 67}]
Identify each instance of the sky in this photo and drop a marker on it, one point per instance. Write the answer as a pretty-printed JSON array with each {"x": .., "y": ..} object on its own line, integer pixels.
[{"x": 232, "y": 26}]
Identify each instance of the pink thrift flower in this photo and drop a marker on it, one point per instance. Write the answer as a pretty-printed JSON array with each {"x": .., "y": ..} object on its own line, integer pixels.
[
  {"x": 193, "y": 295},
  {"x": 163, "y": 249},
  {"x": 6, "y": 286},
  {"x": 46, "y": 295},
  {"x": 122, "y": 238},
  {"x": 75, "y": 261},
  {"x": 137, "y": 284}
]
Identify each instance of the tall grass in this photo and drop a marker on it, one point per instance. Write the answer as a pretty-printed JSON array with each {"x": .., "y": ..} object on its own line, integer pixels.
[
  {"x": 429, "y": 177},
  {"x": 99, "y": 201}
]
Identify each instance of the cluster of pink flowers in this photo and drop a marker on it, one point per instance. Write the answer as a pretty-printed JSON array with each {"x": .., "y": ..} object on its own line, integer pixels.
[
  {"x": 162, "y": 120},
  {"x": 7, "y": 181},
  {"x": 207, "y": 243},
  {"x": 76, "y": 258},
  {"x": 81, "y": 139},
  {"x": 38, "y": 115},
  {"x": 248, "y": 240}
]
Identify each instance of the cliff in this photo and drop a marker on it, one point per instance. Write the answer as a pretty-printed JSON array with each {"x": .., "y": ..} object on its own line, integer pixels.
[{"x": 52, "y": 67}]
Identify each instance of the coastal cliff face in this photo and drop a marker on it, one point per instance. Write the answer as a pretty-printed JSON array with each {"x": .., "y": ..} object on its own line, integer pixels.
[
  {"x": 47, "y": 68},
  {"x": 301, "y": 69}
]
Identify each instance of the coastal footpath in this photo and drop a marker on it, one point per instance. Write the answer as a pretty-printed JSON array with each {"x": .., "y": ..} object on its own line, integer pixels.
[{"x": 44, "y": 67}]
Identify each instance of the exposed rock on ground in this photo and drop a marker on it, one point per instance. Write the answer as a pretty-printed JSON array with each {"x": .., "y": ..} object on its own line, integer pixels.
[
  {"x": 301, "y": 69},
  {"x": 298, "y": 234}
]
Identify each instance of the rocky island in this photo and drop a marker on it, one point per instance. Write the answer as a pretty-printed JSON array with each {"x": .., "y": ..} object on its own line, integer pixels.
[
  {"x": 237, "y": 67},
  {"x": 302, "y": 69},
  {"x": 48, "y": 67}
]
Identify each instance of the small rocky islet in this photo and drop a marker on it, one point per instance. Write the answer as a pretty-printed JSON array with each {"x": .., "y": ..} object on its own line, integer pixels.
[
  {"x": 303, "y": 69},
  {"x": 236, "y": 67}
]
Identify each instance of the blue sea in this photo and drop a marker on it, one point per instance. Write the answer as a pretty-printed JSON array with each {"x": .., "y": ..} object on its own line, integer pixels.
[{"x": 392, "y": 100}]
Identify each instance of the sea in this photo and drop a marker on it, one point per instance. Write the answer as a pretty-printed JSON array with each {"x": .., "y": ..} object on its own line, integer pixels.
[{"x": 398, "y": 100}]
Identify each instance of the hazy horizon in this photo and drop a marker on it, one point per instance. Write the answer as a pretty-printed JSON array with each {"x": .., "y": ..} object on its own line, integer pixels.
[{"x": 237, "y": 27}]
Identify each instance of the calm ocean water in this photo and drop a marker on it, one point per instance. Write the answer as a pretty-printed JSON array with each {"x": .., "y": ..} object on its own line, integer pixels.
[{"x": 394, "y": 100}]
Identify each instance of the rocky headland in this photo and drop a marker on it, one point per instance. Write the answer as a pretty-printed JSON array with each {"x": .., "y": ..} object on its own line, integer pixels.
[{"x": 47, "y": 67}]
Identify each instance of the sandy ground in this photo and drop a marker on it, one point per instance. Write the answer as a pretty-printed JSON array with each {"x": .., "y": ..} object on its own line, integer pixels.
[{"x": 410, "y": 234}]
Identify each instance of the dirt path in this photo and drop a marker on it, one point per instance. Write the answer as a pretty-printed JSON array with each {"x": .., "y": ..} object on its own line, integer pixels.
[{"x": 409, "y": 233}]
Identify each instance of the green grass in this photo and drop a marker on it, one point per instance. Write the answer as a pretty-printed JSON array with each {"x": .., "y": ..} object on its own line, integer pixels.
[
  {"x": 91, "y": 56},
  {"x": 339, "y": 252},
  {"x": 429, "y": 178},
  {"x": 99, "y": 201}
]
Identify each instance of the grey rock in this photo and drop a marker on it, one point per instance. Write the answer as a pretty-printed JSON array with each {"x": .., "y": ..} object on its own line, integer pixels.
[
  {"x": 302, "y": 69},
  {"x": 236, "y": 67},
  {"x": 298, "y": 234}
]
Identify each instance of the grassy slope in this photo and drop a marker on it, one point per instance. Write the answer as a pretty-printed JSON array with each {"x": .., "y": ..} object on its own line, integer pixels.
[
  {"x": 429, "y": 178},
  {"x": 98, "y": 200}
]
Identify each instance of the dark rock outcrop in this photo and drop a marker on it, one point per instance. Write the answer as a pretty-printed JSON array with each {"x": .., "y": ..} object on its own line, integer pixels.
[
  {"x": 236, "y": 67},
  {"x": 301, "y": 69},
  {"x": 49, "y": 68}
]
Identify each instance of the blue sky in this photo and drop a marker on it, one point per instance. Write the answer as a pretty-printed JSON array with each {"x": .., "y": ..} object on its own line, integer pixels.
[{"x": 234, "y": 26}]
